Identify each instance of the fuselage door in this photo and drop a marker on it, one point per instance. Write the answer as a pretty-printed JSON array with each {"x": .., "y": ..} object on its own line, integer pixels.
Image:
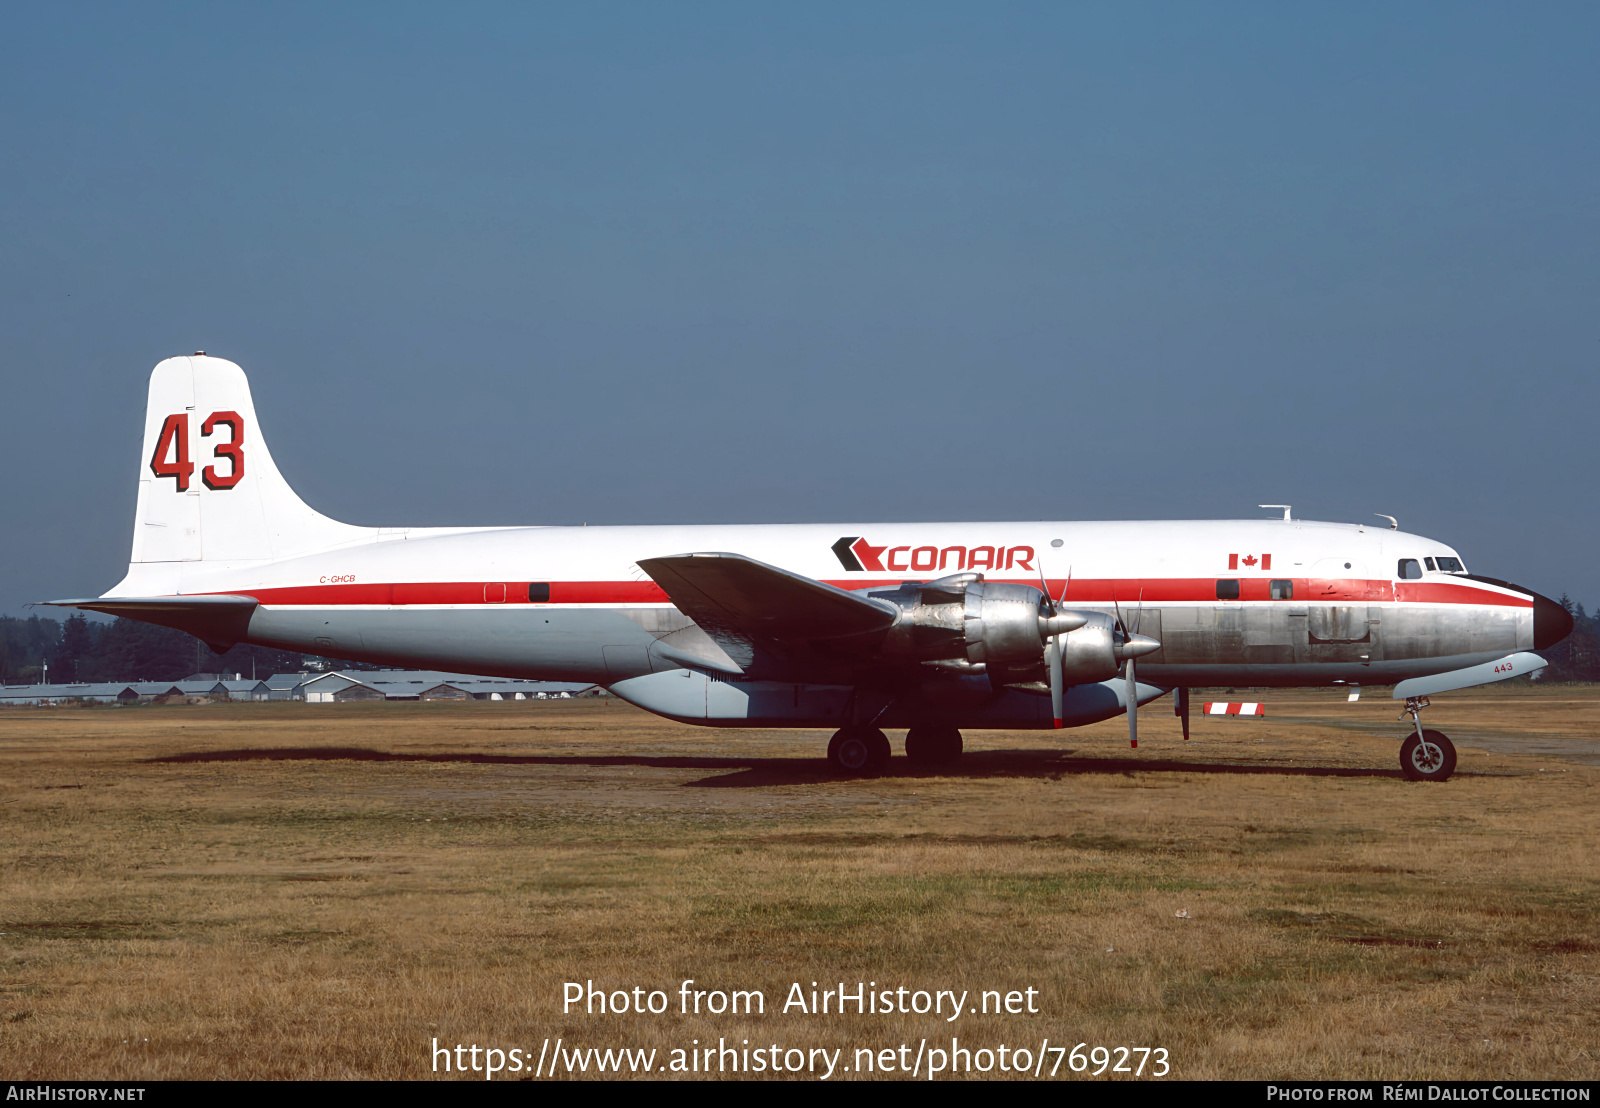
[
  {"x": 1337, "y": 623},
  {"x": 1340, "y": 625}
]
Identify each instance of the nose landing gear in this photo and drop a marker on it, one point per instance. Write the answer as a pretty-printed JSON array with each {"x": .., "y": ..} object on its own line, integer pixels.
[{"x": 1425, "y": 755}]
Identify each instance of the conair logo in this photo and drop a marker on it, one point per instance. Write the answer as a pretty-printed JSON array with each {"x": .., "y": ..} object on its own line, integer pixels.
[{"x": 857, "y": 555}]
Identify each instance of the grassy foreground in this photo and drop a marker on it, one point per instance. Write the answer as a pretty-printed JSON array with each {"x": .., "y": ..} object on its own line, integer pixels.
[{"x": 320, "y": 891}]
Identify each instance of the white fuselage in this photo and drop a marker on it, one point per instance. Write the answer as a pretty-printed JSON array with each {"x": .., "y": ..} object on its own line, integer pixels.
[{"x": 225, "y": 549}]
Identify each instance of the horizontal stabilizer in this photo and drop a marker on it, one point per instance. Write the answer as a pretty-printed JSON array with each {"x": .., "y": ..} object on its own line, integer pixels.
[
  {"x": 1513, "y": 665},
  {"x": 218, "y": 621},
  {"x": 739, "y": 601}
]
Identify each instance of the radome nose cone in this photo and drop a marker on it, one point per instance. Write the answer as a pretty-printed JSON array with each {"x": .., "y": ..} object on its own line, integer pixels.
[{"x": 1551, "y": 622}]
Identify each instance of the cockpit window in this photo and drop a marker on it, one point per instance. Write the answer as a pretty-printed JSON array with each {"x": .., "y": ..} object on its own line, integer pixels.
[
  {"x": 1429, "y": 563},
  {"x": 1451, "y": 565},
  {"x": 1409, "y": 569}
]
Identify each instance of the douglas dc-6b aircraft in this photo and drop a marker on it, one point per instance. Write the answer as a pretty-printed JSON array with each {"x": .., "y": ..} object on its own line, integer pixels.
[{"x": 932, "y": 627}]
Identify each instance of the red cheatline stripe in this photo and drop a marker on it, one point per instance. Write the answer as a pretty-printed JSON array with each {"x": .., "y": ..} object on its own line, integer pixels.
[
  {"x": 1154, "y": 591},
  {"x": 1431, "y": 592}
]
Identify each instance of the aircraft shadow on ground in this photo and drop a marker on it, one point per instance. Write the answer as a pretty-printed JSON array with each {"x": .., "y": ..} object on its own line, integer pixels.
[{"x": 771, "y": 772}]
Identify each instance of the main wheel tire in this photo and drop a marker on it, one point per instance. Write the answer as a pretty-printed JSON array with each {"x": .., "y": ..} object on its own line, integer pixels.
[
  {"x": 1429, "y": 758},
  {"x": 854, "y": 750},
  {"x": 848, "y": 751},
  {"x": 933, "y": 745}
]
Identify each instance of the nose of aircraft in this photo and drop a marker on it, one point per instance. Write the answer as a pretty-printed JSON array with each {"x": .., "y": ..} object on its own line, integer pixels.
[{"x": 1551, "y": 622}]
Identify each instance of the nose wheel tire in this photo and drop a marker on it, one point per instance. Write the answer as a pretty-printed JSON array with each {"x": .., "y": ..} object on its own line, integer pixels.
[
  {"x": 1432, "y": 757},
  {"x": 933, "y": 746},
  {"x": 857, "y": 750}
]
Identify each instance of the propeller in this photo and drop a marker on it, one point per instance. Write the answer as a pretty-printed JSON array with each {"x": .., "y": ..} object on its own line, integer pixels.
[
  {"x": 1133, "y": 645},
  {"x": 1052, "y": 644}
]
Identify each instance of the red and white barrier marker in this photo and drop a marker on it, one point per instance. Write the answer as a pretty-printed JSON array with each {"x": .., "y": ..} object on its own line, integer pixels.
[{"x": 1218, "y": 708}]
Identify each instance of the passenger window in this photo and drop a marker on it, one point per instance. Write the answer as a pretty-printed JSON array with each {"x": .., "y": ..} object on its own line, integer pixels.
[
  {"x": 538, "y": 592},
  {"x": 1283, "y": 590},
  {"x": 1227, "y": 590},
  {"x": 1409, "y": 569}
]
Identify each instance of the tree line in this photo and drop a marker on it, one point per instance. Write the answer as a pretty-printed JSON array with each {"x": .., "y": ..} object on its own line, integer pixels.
[{"x": 81, "y": 650}]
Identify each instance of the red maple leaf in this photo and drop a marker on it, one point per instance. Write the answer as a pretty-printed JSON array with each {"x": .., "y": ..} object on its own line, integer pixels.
[{"x": 1249, "y": 559}]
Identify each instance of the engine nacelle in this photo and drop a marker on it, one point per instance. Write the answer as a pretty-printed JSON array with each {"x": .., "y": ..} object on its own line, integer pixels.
[
  {"x": 1091, "y": 652},
  {"x": 968, "y": 625}
]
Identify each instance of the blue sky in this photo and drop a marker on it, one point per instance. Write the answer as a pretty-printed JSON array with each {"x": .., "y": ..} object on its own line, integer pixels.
[{"x": 643, "y": 263}]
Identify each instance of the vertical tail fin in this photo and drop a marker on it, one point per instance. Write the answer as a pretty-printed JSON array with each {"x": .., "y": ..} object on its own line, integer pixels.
[{"x": 208, "y": 489}]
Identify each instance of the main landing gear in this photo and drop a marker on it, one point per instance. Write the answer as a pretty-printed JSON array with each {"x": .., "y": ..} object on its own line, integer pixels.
[
  {"x": 933, "y": 746},
  {"x": 1425, "y": 755},
  {"x": 858, "y": 750},
  {"x": 865, "y": 750}
]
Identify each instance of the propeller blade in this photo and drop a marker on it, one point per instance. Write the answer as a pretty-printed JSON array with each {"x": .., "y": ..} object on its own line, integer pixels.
[
  {"x": 1133, "y": 644},
  {"x": 1133, "y": 707},
  {"x": 1180, "y": 708},
  {"x": 1054, "y": 626},
  {"x": 1052, "y": 657},
  {"x": 1057, "y": 622}
]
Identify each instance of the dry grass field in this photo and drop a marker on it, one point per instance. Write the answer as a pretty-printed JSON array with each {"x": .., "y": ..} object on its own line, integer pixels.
[{"x": 320, "y": 891}]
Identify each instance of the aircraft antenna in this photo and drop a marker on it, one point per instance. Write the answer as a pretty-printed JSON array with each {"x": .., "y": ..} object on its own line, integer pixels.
[
  {"x": 1394, "y": 524},
  {"x": 1285, "y": 508}
]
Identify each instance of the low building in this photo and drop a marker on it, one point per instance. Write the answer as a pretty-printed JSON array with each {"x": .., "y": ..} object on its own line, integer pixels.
[
  {"x": 286, "y": 686},
  {"x": 240, "y": 690},
  {"x": 334, "y": 688},
  {"x": 356, "y": 692},
  {"x": 316, "y": 688},
  {"x": 109, "y": 692}
]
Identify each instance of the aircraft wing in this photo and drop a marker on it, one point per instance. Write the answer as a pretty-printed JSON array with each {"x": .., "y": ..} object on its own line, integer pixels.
[
  {"x": 218, "y": 621},
  {"x": 739, "y": 601}
]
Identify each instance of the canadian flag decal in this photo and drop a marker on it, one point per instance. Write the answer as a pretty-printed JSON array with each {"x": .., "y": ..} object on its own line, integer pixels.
[{"x": 1249, "y": 561}]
